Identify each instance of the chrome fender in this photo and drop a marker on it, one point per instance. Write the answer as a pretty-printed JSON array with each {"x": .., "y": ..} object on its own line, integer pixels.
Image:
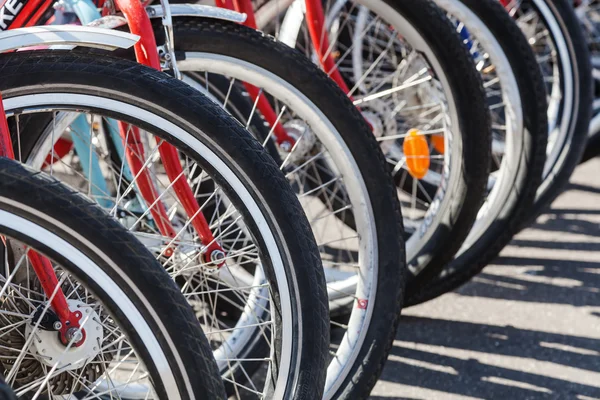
[
  {"x": 66, "y": 35},
  {"x": 197, "y": 10}
]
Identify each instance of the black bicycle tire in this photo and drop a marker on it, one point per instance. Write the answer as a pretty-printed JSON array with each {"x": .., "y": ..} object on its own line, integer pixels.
[
  {"x": 221, "y": 37},
  {"x": 44, "y": 201},
  {"x": 475, "y": 129},
  {"x": 592, "y": 148},
  {"x": 553, "y": 184},
  {"x": 531, "y": 160},
  {"x": 156, "y": 91}
]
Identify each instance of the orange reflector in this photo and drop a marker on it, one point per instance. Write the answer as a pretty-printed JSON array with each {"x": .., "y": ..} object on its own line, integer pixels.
[
  {"x": 438, "y": 143},
  {"x": 416, "y": 151}
]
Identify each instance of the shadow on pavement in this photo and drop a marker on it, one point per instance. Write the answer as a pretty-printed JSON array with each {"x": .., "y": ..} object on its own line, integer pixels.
[
  {"x": 502, "y": 362},
  {"x": 469, "y": 377},
  {"x": 414, "y": 360},
  {"x": 585, "y": 279},
  {"x": 548, "y": 280}
]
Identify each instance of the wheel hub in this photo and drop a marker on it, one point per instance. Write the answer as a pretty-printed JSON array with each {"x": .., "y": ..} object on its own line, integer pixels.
[
  {"x": 49, "y": 350},
  {"x": 383, "y": 123},
  {"x": 303, "y": 136}
]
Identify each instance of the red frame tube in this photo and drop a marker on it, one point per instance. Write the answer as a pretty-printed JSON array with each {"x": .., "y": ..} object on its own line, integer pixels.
[
  {"x": 45, "y": 273},
  {"x": 39, "y": 13},
  {"x": 320, "y": 39},
  {"x": 315, "y": 20},
  {"x": 147, "y": 54},
  {"x": 135, "y": 159},
  {"x": 30, "y": 13},
  {"x": 40, "y": 264},
  {"x": 6, "y": 148},
  {"x": 316, "y": 28},
  {"x": 270, "y": 116}
]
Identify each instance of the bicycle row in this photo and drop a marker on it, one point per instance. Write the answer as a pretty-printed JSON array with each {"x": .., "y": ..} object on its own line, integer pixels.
[{"x": 238, "y": 199}]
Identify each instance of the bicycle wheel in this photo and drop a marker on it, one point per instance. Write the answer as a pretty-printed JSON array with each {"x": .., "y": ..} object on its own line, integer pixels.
[
  {"x": 516, "y": 99},
  {"x": 414, "y": 81},
  {"x": 137, "y": 329},
  {"x": 6, "y": 391},
  {"x": 592, "y": 146},
  {"x": 281, "y": 306},
  {"x": 589, "y": 17},
  {"x": 555, "y": 35},
  {"x": 337, "y": 171}
]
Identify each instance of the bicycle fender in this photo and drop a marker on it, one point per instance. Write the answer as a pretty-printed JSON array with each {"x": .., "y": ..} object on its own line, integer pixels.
[
  {"x": 66, "y": 35},
  {"x": 197, "y": 10}
]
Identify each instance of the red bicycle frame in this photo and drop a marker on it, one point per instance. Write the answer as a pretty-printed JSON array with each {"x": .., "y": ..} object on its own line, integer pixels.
[
  {"x": 316, "y": 24},
  {"x": 147, "y": 54}
]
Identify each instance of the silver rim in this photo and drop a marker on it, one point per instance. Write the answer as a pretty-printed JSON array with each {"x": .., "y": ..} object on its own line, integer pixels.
[
  {"x": 359, "y": 286},
  {"x": 62, "y": 366},
  {"x": 423, "y": 210},
  {"x": 234, "y": 337},
  {"x": 507, "y": 115},
  {"x": 543, "y": 30},
  {"x": 588, "y": 13}
]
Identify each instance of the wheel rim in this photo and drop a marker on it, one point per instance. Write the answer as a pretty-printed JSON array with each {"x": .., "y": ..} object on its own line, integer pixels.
[
  {"x": 363, "y": 288},
  {"x": 589, "y": 16},
  {"x": 67, "y": 102},
  {"x": 424, "y": 212},
  {"x": 546, "y": 37},
  {"x": 67, "y": 377},
  {"x": 505, "y": 106}
]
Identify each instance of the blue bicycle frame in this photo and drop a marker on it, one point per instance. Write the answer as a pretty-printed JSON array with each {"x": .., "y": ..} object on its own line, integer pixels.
[{"x": 86, "y": 12}]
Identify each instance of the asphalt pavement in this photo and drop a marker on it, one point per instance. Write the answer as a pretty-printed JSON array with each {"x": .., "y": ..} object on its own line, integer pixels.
[{"x": 528, "y": 327}]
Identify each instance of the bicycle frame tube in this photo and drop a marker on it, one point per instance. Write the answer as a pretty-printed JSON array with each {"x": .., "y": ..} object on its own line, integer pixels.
[
  {"x": 317, "y": 29},
  {"x": 315, "y": 20},
  {"x": 228, "y": 4},
  {"x": 41, "y": 265},
  {"x": 6, "y": 149},
  {"x": 31, "y": 13},
  {"x": 146, "y": 53},
  {"x": 270, "y": 116}
]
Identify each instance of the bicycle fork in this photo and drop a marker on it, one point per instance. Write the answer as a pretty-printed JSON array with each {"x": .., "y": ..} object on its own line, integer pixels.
[
  {"x": 281, "y": 136},
  {"x": 320, "y": 39},
  {"x": 69, "y": 327},
  {"x": 146, "y": 53}
]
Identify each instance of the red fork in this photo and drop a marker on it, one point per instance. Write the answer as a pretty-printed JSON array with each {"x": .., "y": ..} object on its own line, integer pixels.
[
  {"x": 320, "y": 39},
  {"x": 270, "y": 116},
  {"x": 316, "y": 27},
  {"x": 147, "y": 54},
  {"x": 41, "y": 265}
]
